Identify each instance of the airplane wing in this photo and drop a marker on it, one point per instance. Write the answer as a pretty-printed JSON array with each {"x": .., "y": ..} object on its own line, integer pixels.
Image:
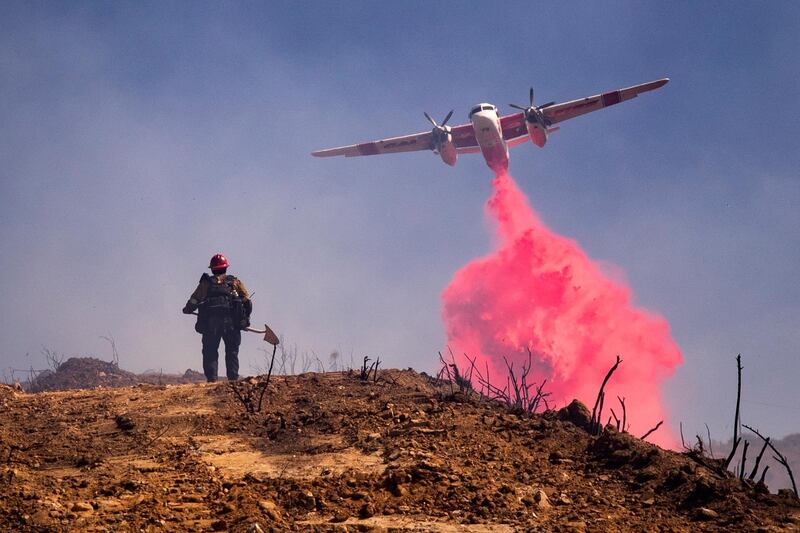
[
  {"x": 406, "y": 143},
  {"x": 463, "y": 138},
  {"x": 560, "y": 112},
  {"x": 513, "y": 127}
]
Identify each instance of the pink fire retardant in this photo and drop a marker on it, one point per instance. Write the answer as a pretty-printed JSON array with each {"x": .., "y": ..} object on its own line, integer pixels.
[{"x": 539, "y": 291}]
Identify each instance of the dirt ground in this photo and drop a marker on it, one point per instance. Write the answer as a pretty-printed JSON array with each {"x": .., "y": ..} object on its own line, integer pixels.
[{"x": 330, "y": 452}]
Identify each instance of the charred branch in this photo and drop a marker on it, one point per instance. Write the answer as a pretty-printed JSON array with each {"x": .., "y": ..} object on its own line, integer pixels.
[
  {"x": 683, "y": 442},
  {"x": 736, "y": 420},
  {"x": 733, "y": 452},
  {"x": 520, "y": 394},
  {"x": 251, "y": 394},
  {"x": 752, "y": 475},
  {"x": 710, "y": 447},
  {"x": 652, "y": 430},
  {"x": 445, "y": 369},
  {"x": 616, "y": 419},
  {"x": 367, "y": 369},
  {"x": 778, "y": 457},
  {"x": 269, "y": 375},
  {"x": 595, "y": 422},
  {"x": 700, "y": 446},
  {"x": 763, "y": 475},
  {"x": 744, "y": 459}
]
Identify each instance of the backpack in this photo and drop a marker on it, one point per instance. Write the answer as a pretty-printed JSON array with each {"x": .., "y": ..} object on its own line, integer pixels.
[{"x": 224, "y": 308}]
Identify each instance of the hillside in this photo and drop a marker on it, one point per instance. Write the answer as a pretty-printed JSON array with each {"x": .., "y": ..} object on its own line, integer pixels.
[
  {"x": 330, "y": 452},
  {"x": 90, "y": 373}
]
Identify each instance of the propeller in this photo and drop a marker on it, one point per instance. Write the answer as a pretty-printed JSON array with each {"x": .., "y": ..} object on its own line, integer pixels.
[
  {"x": 532, "y": 112},
  {"x": 530, "y": 106},
  {"x": 440, "y": 131},
  {"x": 444, "y": 122}
]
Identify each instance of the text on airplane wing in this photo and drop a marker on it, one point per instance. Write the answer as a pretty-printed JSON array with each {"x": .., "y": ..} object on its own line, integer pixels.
[
  {"x": 405, "y": 143},
  {"x": 463, "y": 138},
  {"x": 560, "y": 112}
]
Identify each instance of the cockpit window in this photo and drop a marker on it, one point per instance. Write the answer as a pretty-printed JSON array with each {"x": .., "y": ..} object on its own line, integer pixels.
[{"x": 482, "y": 107}]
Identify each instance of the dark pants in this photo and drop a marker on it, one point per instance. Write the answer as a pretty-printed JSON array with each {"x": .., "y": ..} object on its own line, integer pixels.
[{"x": 232, "y": 338}]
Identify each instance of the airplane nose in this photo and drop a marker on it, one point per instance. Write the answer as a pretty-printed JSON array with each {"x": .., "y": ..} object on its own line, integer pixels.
[{"x": 483, "y": 120}]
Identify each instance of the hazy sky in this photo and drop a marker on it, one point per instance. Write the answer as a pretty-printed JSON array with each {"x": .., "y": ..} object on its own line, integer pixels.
[{"x": 138, "y": 139}]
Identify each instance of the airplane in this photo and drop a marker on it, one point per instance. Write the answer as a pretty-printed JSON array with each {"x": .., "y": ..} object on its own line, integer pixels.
[{"x": 489, "y": 133}]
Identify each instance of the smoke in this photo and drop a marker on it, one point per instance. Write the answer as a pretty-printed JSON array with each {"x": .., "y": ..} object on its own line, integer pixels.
[{"x": 539, "y": 291}]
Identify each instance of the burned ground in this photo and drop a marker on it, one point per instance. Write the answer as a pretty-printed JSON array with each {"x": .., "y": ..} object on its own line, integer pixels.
[{"x": 332, "y": 452}]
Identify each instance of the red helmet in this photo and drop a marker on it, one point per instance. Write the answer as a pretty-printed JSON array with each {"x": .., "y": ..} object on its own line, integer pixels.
[{"x": 218, "y": 262}]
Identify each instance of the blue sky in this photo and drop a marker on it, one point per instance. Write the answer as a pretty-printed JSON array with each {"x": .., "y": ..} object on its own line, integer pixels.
[{"x": 140, "y": 138}]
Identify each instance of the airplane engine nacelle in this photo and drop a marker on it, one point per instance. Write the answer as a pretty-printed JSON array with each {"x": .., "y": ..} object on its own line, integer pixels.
[
  {"x": 538, "y": 133},
  {"x": 448, "y": 153}
]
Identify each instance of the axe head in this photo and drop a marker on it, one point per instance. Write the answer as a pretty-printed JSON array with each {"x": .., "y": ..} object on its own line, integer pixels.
[{"x": 270, "y": 336}]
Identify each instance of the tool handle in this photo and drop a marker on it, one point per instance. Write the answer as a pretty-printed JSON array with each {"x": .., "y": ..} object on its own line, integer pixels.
[{"x": 269, "y": 335}]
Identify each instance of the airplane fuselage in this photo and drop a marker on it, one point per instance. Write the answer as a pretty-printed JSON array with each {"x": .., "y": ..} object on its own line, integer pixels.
[{"x": 486, "y": 123}]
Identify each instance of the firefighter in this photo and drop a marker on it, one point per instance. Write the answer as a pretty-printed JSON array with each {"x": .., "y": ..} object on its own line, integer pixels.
[{"x": 224, "y": 307}]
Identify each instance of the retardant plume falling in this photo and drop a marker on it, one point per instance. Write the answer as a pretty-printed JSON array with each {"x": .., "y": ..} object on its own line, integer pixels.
[{"x": 539, "y": 291}]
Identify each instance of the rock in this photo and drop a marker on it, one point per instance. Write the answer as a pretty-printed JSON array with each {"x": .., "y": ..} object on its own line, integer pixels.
[
  {"x": 87, "y": 460},
  {"x": 255, "y": 528},
  {"x": 577, "y": 413},
  {"x": 556, "y": 457},
  {"x": 41, "y": 517},
  {"x": 267, "y": 505},
  {"x": 219, "y": 525},
  {"x": 130, "y": 485},
  {"x": 305, "y": 498},
  {"x": 704, "y": 513},
  {"x": 619, "y": 457},
  {"x": 270, "y": 509},
  {"x": 124, "y": 422},
  {"x": 506, "y": 489},
  {"x": 704, "y": 491},
  {"x": 576, "y": 526},
  {"x": 527, "y": 501},
  {"x": 541, "y": 499},
  {"x": 646, "y": 475},
  {"x": 340, "y": 516},
  {"x": 367, "y": 511},
  {"x": 82, "y": 507}
]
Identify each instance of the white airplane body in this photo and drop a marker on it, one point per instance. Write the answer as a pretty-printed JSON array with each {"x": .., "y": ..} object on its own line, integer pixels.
[{"x": 489, "y": 133}]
